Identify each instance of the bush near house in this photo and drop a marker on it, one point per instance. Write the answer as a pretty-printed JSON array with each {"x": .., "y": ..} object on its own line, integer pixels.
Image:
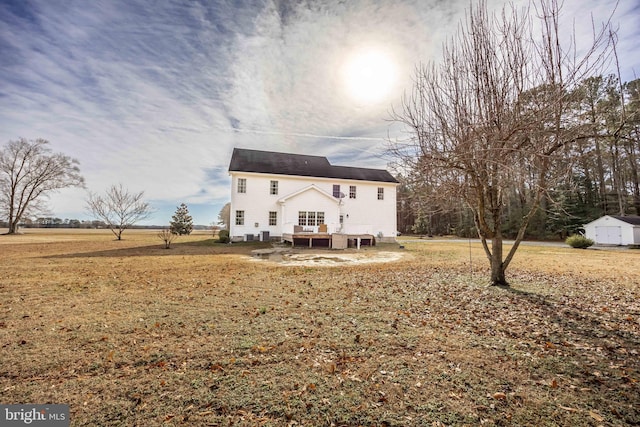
[
  {"x": 579, "y": 242},
  {"x": 223, "y": 236}
]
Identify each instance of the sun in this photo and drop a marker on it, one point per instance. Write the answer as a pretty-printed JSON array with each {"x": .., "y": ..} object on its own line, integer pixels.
[{"x": 369, "y": 75}]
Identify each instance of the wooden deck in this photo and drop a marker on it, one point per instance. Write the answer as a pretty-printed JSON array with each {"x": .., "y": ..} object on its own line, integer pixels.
[{"x": 325, "y": 240}]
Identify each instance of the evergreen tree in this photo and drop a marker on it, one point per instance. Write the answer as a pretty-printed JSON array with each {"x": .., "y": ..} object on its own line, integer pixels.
[{"x": 181, "y": 221}]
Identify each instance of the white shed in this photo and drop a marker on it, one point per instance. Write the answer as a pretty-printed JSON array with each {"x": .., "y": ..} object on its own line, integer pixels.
[{"x": 614, "y": 230}]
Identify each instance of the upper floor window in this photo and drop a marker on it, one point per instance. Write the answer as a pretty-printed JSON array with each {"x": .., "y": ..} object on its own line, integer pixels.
[
  {"x": 239, "y": 217},
  {"x": 352, "y": 191},
  {"x": 273, "y": 187},
  {"x": 273, "y": 218},
  {"x": 336, "y": 190},
  {"x": 242, "y": 185},
  {"x": 380, "y": 193}
]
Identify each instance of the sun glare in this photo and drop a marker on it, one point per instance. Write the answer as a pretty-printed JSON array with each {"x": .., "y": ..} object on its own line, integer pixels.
[{"x": 369, "y": 76}]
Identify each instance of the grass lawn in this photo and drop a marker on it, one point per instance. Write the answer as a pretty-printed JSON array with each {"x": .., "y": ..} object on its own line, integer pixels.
[{"x": 128, "y": 333}]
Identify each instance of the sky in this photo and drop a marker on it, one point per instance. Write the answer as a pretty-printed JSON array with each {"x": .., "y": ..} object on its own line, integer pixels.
[{"x": 154, "y": 95}]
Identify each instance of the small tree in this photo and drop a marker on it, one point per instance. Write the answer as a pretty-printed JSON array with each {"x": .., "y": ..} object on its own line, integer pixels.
[
  {"x": 167, "y": 236},
  {"x": 181, "y": 221},
  {"x": 28, "y": 173},
  {"x": 118, "y": 208}
]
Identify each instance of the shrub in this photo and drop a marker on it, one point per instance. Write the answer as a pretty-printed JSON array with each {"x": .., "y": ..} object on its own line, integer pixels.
[
  {"x": 167, "y": 236},
  {"x": 223, "y": 236},
  {"x": 578, "y": 241}
]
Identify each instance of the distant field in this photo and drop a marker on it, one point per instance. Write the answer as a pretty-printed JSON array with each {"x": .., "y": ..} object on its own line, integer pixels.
[{"x": 128, "y": 333}]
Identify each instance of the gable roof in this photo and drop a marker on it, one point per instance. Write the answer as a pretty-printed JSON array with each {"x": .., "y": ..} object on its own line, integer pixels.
[
  {"x": 243, "y": 160},
  {"x": 629, "y": 219},
  {"x": 311, "y": 187}
]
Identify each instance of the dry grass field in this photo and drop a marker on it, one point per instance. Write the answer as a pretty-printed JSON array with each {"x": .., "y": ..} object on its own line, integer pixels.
[{"x": 130, "y": 334}]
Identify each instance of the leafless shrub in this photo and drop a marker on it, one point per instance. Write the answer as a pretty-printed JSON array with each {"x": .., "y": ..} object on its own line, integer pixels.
[{"x": 167, "y": 237}]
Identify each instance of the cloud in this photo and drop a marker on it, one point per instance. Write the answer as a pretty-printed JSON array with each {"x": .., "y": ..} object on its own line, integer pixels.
[{"x": 155, "y": 95}]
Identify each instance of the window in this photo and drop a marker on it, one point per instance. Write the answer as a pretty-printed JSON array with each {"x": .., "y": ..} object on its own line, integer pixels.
[
  {"x": 310, "y": 218},
  {"x": 239, "y": 217},
  {"x": 273, "y": 187},
  {"x": 341, "y": 219},
  {"x": 273, "y": 217},
  {"x": 336, "y": 190},
  {"x": 352, "y": 191},
  {"x": 380, "y": 193},
  {"x": 242, "y": 185}
]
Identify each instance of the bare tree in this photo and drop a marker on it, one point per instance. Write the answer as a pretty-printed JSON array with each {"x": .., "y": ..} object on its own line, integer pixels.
[
  {"x": 494, "y": 117},
  {"x": 167, "y": 236},
  {"x": 118, "y": 208},
  {"x": 29, "y": 171}
]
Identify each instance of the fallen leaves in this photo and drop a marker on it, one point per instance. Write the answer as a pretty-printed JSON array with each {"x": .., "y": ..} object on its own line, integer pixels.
[
  {"x": 592, "y": 414},
  {"x": 599, "y": 418},
  {"x": 409, "y": 343}
]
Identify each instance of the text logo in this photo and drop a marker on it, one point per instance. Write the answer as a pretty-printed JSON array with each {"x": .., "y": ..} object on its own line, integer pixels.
[{"x": 34, "y": 415}]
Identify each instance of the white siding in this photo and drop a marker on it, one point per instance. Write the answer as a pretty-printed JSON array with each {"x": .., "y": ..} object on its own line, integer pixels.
[
  {"x": 364, "y": 214},
  {"x": 313, "y": 201},
  {"x": 611, "y": 231}
]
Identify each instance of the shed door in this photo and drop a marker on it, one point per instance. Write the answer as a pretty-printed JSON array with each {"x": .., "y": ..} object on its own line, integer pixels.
[{"x": 609, "y": 235}]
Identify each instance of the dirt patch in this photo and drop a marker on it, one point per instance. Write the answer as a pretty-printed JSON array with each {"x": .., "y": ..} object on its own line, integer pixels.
[{"x": 288, "y": 258}]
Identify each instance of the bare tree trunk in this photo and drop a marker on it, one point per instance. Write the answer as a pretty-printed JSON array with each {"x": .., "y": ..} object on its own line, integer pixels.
[
  {"x": 633, "y": 168},
  {"x": 602, "y": 188},
  {"x": 498, "y": 268},
  {"x": 13, "y": 223},
  {"x": 616, "y": 177}
]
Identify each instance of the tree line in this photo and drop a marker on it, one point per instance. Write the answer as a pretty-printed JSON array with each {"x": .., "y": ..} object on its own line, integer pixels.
[
  {"x": 181, "y": 225},
  {"x": 55, "y": 222},
  {"x": 598, "y": 173}
]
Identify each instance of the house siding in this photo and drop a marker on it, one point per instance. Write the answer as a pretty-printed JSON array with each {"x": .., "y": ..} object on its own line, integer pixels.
[
  {"x": 364, "y": 214},
  {"x": 610, "y": 230}
]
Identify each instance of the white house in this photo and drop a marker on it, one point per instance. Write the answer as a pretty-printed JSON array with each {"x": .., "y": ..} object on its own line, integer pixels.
[
  {"x": 281, "y": 194},
  {"x": 614, "y": 230}
]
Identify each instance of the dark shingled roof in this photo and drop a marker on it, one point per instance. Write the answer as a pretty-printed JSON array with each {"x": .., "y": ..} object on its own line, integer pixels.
[
  {"x": 629, "y": 219},
  {"x": 257, "y": 161}
]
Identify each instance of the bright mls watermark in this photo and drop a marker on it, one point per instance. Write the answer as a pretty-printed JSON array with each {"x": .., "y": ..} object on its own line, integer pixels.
[{"x": 34, "y": 415}]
